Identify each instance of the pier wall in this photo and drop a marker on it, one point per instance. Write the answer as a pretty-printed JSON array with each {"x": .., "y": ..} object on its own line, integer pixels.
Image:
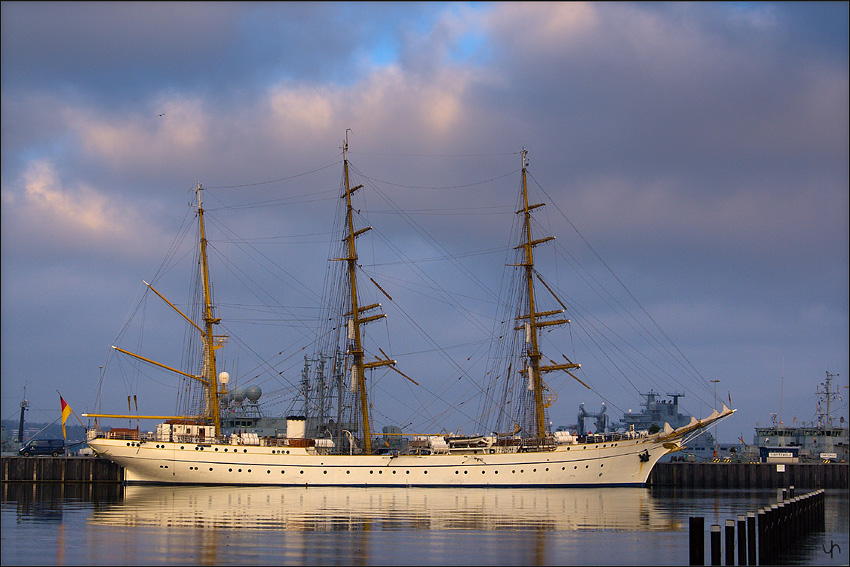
[
  {"x": 60, "y": 469},
  {"x": 750, "y": 475}
]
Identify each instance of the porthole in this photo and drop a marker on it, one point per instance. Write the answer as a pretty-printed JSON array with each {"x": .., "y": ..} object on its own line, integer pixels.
[
  {"x": 457, "y": 472},
  {"x": 495, "y": 472},
  {"x": 301, "y": 472},
  {"x": 347, "y": 472},
  {"x": 216, "y": 448},
  {"x": 268, "y": 472},
  {"x": 371, "y": 472},
  {"x": 181, "y": 447},
  {"x": 210, "y": 469},
  {"x": 324, "y": 472},
  {"x": 482, "y": 472},
  {"x": 240, "y": 470},
  {"x": 424, "y": 472},
  {"x": 229, "y": 470},
  {"x": 465, "y": 472},
  {"x": 393, "y": 472},
  {"x": 406, "y": 472}
]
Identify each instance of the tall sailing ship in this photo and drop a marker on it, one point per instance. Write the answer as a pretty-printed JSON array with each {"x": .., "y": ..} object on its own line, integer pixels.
[{"x": 333, "y": 443}]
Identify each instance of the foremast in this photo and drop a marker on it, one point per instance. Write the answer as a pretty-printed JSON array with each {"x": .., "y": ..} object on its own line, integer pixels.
[
  {"x": 356, "y": 316},
  {"x": 532, "y": 319},
  {"x": 210, "y": 344}
]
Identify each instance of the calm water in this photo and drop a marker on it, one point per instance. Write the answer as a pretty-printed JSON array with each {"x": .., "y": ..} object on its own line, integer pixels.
[{"x": 112, "y": 525}]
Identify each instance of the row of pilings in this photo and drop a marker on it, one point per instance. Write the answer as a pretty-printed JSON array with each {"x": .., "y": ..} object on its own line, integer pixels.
[{"x": 765, "y": 536}]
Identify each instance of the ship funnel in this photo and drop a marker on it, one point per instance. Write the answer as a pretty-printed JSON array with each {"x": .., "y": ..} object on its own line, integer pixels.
[{"x": 296, "y": 427}]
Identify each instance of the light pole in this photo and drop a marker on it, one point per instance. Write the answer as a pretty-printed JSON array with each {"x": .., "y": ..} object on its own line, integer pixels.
[{"x": 715, "y": 423}]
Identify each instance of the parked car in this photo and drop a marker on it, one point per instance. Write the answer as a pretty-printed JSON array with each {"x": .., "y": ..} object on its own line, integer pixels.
[{"x": 54, "y": 447}]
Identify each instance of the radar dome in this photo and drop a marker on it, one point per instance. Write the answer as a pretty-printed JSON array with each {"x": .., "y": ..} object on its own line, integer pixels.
[
  {"x": 239, "y": 395},
  {"x": 223, "y": 378},
  {"x": 253, "y": 393}
]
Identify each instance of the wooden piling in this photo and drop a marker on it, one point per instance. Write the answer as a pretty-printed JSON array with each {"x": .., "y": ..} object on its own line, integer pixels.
[
  {"x": 742, "y": 540},
  {"x": 730, "y": 542},
  {"x": 696, "y": 541},
  {"x": 751, "y": 538},
  {"x": 715, "y": 544}
]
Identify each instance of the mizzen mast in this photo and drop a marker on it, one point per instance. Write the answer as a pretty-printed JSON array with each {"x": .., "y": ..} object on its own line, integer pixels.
[{"x": 534, "y": 320}]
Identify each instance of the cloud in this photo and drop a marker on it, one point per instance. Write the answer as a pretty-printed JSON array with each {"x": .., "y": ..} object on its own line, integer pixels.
[
  {"x": 47, "y": 216},
  {"x": 172, "y": 128}
]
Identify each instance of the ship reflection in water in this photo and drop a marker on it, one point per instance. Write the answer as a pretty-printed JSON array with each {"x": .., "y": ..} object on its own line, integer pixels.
[{"x": 365, "y": 509}]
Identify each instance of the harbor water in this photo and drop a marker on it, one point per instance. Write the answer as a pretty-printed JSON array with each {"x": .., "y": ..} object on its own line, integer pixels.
[{"x": 108, "y": 524}]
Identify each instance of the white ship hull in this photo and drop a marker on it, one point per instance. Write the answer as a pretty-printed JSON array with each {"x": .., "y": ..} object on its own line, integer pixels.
[{"x": 612, "y": 463}]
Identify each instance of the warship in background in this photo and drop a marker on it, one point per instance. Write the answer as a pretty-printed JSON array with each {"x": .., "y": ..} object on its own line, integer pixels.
[
  {"x": 655, "y": 414},
  {"x": 822, "y": 440}
]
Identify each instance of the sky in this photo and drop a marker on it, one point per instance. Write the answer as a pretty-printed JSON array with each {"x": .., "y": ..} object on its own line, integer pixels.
[{"x": 697, "y": 153}]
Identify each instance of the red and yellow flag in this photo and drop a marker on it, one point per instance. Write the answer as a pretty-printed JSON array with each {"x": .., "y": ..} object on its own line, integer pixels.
[{"x": 66, "y": 412}]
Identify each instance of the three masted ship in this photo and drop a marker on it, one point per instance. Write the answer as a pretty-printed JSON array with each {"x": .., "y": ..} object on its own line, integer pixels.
[{"x": 333, "y": 443}]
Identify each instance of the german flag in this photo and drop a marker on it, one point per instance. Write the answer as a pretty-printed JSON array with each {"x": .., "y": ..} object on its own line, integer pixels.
[{"x": 66, "y": 412}]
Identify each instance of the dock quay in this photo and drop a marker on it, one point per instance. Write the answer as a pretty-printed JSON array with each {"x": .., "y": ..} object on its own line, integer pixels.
[
  {"x": 750, "y": 475},
  {"x": 60, "y": 470},
  {"x": 679, "y": 474}
]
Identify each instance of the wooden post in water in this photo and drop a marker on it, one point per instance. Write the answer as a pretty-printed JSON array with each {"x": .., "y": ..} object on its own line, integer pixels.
[
  {"x": 742, "y": 540},
  {"x": 696, "y": 540},
  {"x": 730, "y": 542},
  {"x": 762, "y": 528},
  {"x": 751, "y": 538},
  {"x": 715, "y": 544}
]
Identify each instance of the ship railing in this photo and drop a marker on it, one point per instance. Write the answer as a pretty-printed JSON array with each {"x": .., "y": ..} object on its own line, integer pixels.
[
  {"x": 122, "y": 433},
  {"x": 611, "y": 437}
]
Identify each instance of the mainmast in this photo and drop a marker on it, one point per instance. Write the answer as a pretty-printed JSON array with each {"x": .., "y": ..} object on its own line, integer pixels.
[
  {"x": 210, "y": 345},
  {"x": 534, "y": 319},
  {"x": 356, "y": 318}
]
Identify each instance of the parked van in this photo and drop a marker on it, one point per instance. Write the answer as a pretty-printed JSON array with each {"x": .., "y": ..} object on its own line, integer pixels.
[{"x": 53, "y": 447}]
